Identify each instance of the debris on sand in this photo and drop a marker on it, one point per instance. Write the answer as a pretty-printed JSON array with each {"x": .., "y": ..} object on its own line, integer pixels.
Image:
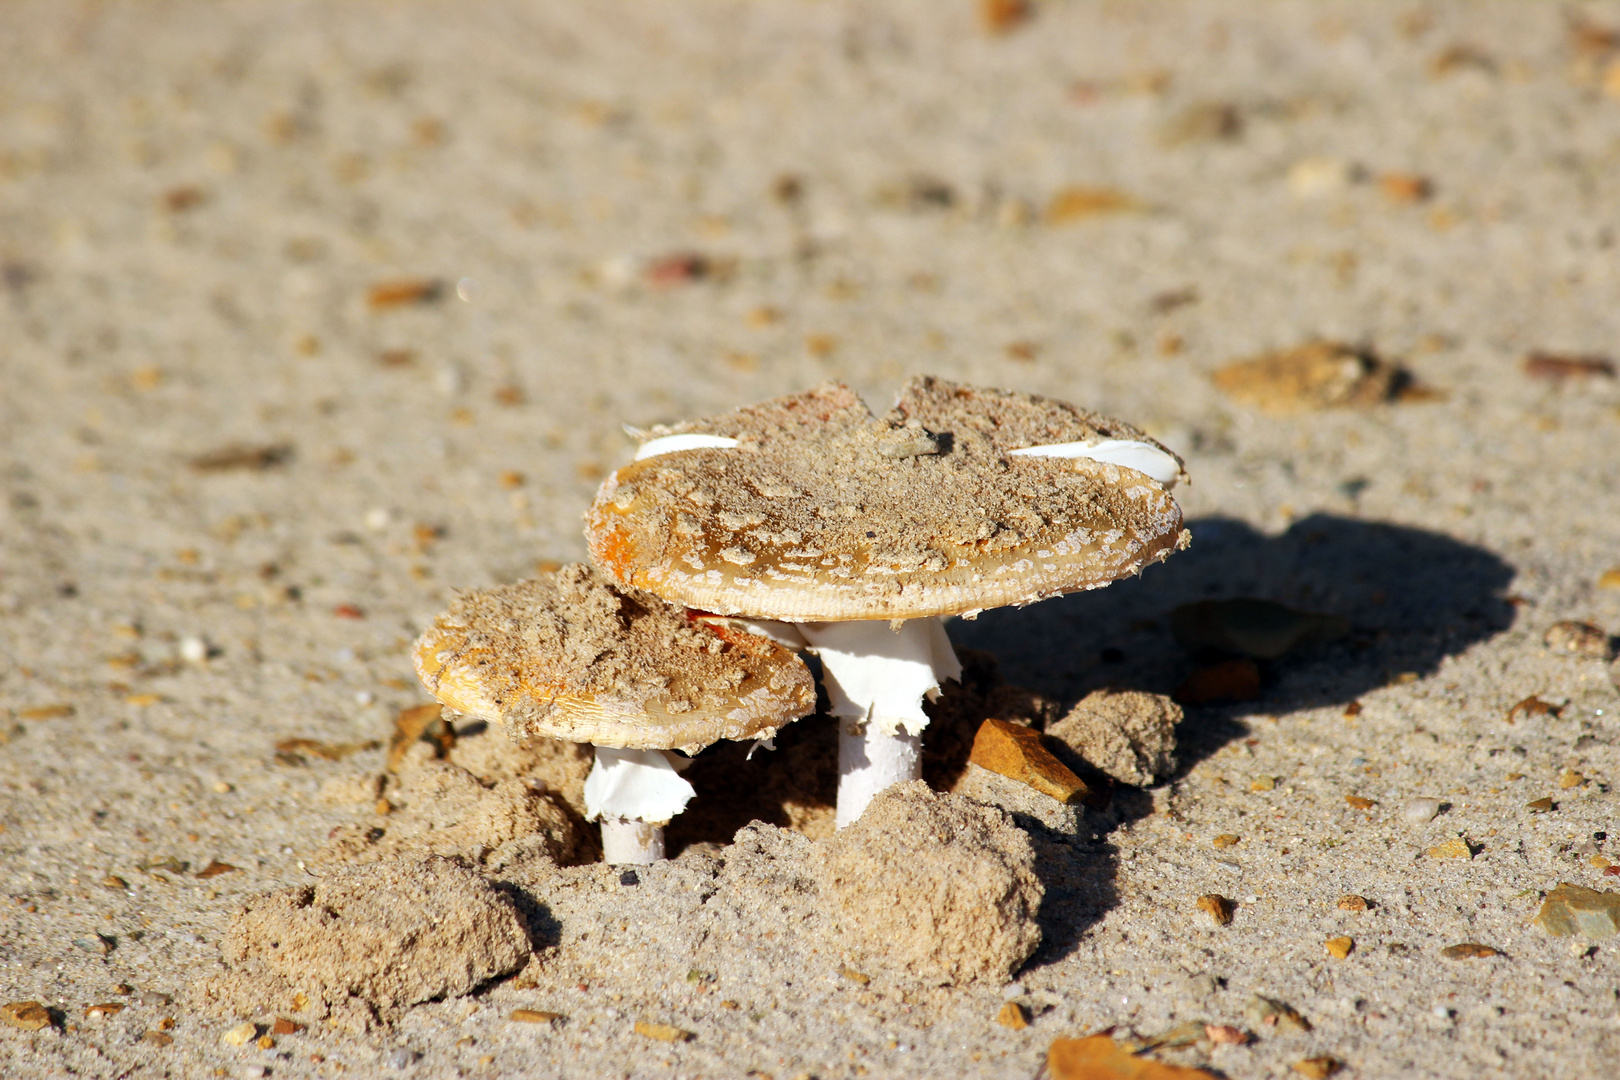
[
  {"x": 1318, "y": 375},
  {"x": 935, "y": 884},
  {"x": 387, "y": 935},
  {"x": 1128, "y": 734},
  {"x": 1573, "y": 909},
  {"x": 1017, "y": 752}
]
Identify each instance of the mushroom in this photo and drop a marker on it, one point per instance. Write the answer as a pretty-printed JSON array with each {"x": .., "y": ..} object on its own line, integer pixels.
[
  {"x": 808, "y": 510},
  {"x": 570, "y": 656}
]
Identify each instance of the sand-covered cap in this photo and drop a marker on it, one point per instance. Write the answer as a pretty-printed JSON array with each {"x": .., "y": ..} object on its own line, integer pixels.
[
  {"x": 808, "y": 508},
  {"x": 570, "y": 656}
]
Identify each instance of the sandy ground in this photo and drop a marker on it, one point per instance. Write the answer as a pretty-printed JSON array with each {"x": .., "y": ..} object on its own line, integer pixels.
[{"x": 633, "y": 213}]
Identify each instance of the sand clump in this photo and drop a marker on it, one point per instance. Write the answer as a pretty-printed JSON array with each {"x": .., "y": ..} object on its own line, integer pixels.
[
  {"x": 935, "y": 884},
  {"x": 1128, "y": 734},
  {"x": 386, "y": 935}
]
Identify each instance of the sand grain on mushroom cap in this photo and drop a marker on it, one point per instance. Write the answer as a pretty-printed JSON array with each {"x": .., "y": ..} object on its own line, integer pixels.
[{"x": 823, "y": 512}]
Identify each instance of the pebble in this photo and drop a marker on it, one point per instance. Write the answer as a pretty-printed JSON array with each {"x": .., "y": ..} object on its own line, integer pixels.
[
  {"x": 1578, "y": 639},
  {"x": 1012, "y": 990},
  {"x": 193, "y": 649},
  {"x": 1574, "y": 909},
  {"x": 1540, "y": 806},
  {"x": 1218, "y": 907},
  {"x": 535, "y": 1016},
  {"x": 662, "y": 1032},
  {"x": 1018, "y": 753},
  {"x": 27, "y": 1015},
  {"x": 1360, "y": 802},
  {"x": 1455, "y": 848},
  {"x": 1269, "y": 1012},
  {"x": 1318, "y": 1068},
  {"x": 1352, "y": 902},
  {"x": 1225, "y": 1035},
  {"x": 1226, "y": 840},
  {"x": 402, "y": 1057},
  {"x": 157, "y": 1038},
  {"x": 1013, "y": 1016},
  {"x": 1340, "y": 947},
  {"x": 1569, "y": 778},
  {"x": 240, "y": 1034},
  {"x": 1418, "y": 811}
]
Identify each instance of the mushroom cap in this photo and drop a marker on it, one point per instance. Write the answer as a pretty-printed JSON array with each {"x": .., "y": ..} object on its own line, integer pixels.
[
  {"x": 823, "y": 512},
  {"x": 569, "y": 656}
]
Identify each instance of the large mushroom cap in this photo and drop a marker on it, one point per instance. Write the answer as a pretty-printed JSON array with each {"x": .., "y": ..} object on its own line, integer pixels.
[
  {"x": 823, "y": 512},
  {"x": 568, "y": 656}
]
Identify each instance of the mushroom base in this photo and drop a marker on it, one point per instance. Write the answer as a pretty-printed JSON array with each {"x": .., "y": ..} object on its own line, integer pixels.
[
  {"x": 630, "y": 841},
  {"x": 868, "y": 762}
]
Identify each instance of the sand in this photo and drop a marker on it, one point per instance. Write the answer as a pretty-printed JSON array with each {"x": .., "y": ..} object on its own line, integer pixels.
[{"x": 311, "y": 315}]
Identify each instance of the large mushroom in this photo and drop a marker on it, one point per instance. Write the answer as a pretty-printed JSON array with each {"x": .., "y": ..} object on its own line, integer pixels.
[
  {"x": 570, "y": 656},
  {"x": 862, "y": 531}
]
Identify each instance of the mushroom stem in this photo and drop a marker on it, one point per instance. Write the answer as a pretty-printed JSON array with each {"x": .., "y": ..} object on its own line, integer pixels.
[
  {"x": 876, "y": 679},
  {"x": 631, "y": 840},
  {"x": 634, "y": 793},
  {"x": 868, "y": 762}
]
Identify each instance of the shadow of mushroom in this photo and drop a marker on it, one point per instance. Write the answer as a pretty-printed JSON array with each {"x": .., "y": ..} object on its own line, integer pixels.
[{"x": 1411, "y": 598}]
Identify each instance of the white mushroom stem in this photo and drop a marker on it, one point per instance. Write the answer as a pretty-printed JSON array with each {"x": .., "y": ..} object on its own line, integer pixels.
[
  {"x": 1130, "y": 453},
  {"x": 634, "y": 793},
  {"x": 876, "y": 679}
]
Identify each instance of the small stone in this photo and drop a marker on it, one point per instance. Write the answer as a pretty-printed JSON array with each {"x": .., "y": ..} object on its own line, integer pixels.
[
  {"x": 1569, "y": 778},
  {"x": 1014, "y": 1016},
  {"x": 1269, "y": 1012},
  {"x": 402, "y": 1058},
  {"x": 1610, "y": 578},
  {"x": 662, "y": 1032},
  {"x": 1225, "y": 1035},
  {"x": 155, "y": 999},
  {"x": 1578, "y": 639},
  {"x": 193, "y": 649},
  {"x": 1455, "y": 848},
  {"x": 857, "y": 977},
  {"x": 27, "y": 1015},
  {"x": 1318, "y": 1068},
  {"x": 266, "y": 1043},
  {"x": 240, "y": 1035},
  {"x": 108, "y": 1008},
  {"x": 113, "y": 881},
  {"x": 1319, "y": 375},
  {"x": 629, "y": 878},
  {"x": 157, "y": 1038},
  {"x": 1100, "y": 1056},
  {"x": 1340, "y": 947},
  {"x": 1263, "y": 783},
  {"x": 1218, "y": 907},
  {"x": 1360, "y": 803},
  {"x": 284, "y": 1026},
  {"x": 1081, "y": 203},
  {"x": 223, "y": 787},
  {"x": 1540, "y": 806},
  {"x": 1419, "y": 811},
  {"x": 1469, "y": 950},
  {"x": 1313, "y": 176},
  {"x": 1572, "y": 909},
  {"x": 1352, "y": 902},
  {"x": 1015, "y": 751},
  {"x": 535, "y": 1016},
  {"x": 1226, "y": 840}
]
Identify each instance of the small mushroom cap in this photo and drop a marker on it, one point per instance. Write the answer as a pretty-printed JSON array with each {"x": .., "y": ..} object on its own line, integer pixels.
[
  {"x": 569, "y": 656},
  {"x": 823, "y": 512}
]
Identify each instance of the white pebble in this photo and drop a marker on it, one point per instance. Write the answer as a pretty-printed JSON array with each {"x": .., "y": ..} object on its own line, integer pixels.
[
  {"x": 377, "y": 519},
  {"x": 193, "y": 649},
  {"x": 1418, "y": 811},
  {"x": 1012, "y": 990}
]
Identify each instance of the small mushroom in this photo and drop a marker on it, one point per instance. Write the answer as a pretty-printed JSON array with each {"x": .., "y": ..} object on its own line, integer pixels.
[
  {"x": 569, "y": 656},
  {"x": 863, "y": 531}
]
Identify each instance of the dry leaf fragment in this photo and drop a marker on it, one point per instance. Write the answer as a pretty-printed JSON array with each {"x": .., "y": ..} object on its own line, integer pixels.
[
  {"x": 324, "y": 750},
  {"x": 1359, "y": 802},
  {"x": 1340, "y": 947},
  {"x": 1318, "y": 1068},
  {"x": 1558, "y": 368},
  {"x": 1533, "y": 706},
  {"x": 1269, "y": 1012},
  {"x": 1074, "y": 204},
  {"x": 216, "y": 868},
  {"x": 238, "y": 456},
  {"x": 45, "y": 712},
  {"x": 1540, "y": 806},
  {"x": 540, "y": 1016},
  {"x": 1218, "y": 907},
  {"x": 1098, "y": 1057},
  {"x": 419, "y": 722},
  {"x": 1469, "y": 950},
  {"x": 1225, "y": 1035},
  {"x": 404, "y": 292},
  {"x": 1017, "y": 752},
  {"x": 662, "y": 1032}
]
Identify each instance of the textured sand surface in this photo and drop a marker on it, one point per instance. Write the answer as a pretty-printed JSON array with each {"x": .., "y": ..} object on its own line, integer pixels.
[{"x": 312, "y": 314}]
